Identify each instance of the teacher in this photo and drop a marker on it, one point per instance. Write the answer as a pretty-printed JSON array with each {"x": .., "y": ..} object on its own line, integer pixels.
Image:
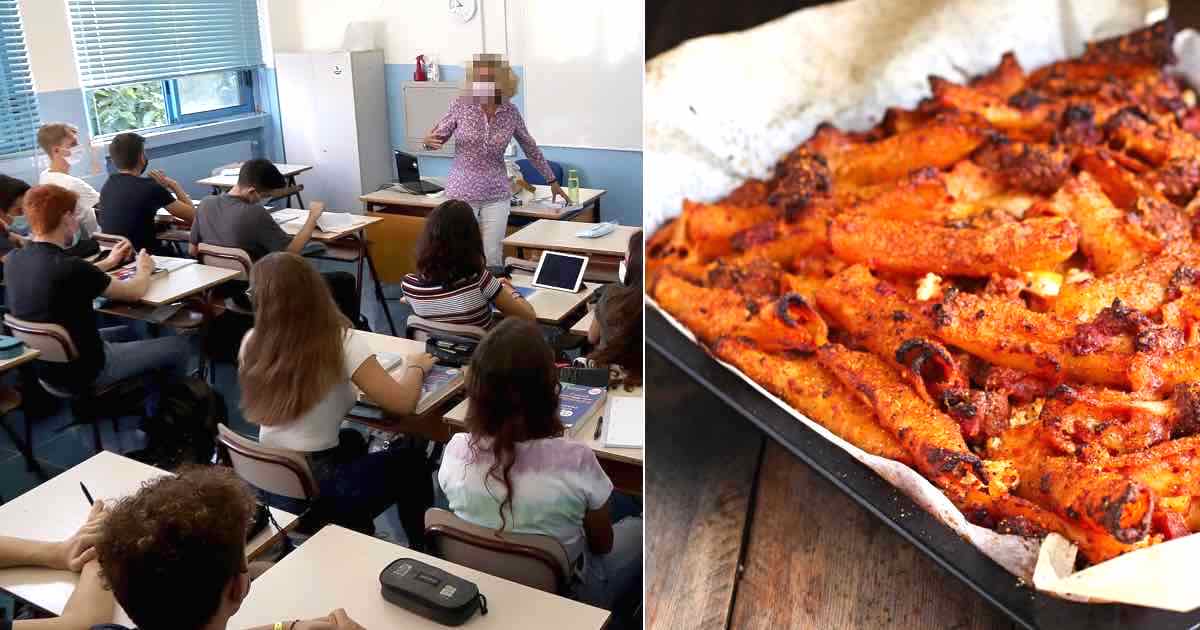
[{"x": 483, "y": 121}]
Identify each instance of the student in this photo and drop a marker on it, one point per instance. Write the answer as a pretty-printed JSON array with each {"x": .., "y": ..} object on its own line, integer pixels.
[
  {"x": 238, "y": 219},
  {"x": 14, "y": 228},
  {"x": 90, "y": 603},
  {"x": 452, "y": 283},
  {"x": 516, "y": 472},
  {"x": 60, "y": 141},
  {"x": 299, "y": 367},
  {"x": 130, "y": 202},
  {"x": 174, "y": 554},
  {"x": 617, "y": 327},
  {"x": 47, "y": 285}
]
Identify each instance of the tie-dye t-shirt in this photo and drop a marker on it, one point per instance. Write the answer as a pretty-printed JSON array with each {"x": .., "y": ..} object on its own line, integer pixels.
[{"x": 555, "y": 481}]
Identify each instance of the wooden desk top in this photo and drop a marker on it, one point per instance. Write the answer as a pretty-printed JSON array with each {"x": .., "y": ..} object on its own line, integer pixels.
[
  {"x": 553, "y": 306},
  {"x": 397, "y": 196},
  {"x": 229, "y": 181},
  {"x": 457, "y": 417},
  {"x": 360, "y": 222},
  {"x": 741, "y": 534},
  {"x": 172, "y": 286},
  {"x": 560, "y": 237},
  {"x": 55, "y": 510},
  {"x": 584, "y": 324},
  {"x": 338, "y": 568},
  {"x": 25, "y": 357}
]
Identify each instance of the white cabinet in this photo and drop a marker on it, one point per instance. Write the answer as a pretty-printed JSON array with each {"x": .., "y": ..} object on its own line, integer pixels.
[{"x": 334, "y": 115}]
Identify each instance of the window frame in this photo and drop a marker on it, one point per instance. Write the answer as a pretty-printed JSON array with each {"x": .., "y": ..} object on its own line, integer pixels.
[{"x": 247, "y": 78}]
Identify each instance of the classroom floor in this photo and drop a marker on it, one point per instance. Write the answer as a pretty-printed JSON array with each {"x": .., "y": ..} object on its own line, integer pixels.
[{"x": 58, "y": 451}]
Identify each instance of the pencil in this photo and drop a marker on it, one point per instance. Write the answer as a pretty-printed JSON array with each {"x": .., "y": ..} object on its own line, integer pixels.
[{"x": 86, "y": 494}]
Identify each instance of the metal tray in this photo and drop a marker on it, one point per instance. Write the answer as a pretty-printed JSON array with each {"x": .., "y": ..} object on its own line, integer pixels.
[{"x": 1023, "y": 604}]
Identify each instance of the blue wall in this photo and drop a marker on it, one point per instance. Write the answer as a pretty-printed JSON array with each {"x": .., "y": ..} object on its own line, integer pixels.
[{"x": 618, "y": 172}]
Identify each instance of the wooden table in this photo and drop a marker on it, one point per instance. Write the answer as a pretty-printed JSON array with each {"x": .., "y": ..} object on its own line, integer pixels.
[
  {"x": 584, "y": 324},
  {"x": 394, "y": 239},
  {"x": 27, "y": 355},
  {"x": 338, "y": 568},
  {"x": 560, "y": 236},
  {"x": 741, "y": 534},
  {"x": 551, "y": 305},
  {"x": 623, "y": 465},
  {"x": 55, "y": 510},
  {"x": 221, "y": 183}
]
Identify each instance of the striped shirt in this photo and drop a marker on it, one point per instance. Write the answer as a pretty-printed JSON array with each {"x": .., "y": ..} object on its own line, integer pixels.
[{"x": 467, "y": 302}]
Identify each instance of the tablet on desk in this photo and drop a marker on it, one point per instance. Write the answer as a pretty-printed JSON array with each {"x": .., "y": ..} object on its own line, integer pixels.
[{"x": 560, "y": 271}]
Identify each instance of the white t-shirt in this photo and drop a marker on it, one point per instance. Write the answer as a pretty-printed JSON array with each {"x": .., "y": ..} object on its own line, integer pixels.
[
  {"x": 555, "y": 481},
  {"x": 317, "y": 430},
  {"x": 85, "y": 207}
]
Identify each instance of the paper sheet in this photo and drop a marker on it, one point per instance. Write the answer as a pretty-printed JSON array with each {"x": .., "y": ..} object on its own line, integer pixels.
[
  {"x": 702, "y": 141},
  {"x": 625, "y": 422}
]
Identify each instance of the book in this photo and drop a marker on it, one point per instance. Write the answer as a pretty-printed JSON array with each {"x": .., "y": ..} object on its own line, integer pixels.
[
  {"x": 578, "y": 404},
  {"x": 625, "y": 422},
  {"x": 334, "y": 221},
  {"x": 389, "y": 360},
  {"x": 287, "y": 215},
  {"x": 438, "y": 381},
  {"x": 169, "y": 264}
]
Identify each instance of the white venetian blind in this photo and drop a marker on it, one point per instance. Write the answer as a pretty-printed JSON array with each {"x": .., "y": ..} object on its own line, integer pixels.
[
  {"x": 18, "y": 103},
  {"x": 124, "y": 41}
]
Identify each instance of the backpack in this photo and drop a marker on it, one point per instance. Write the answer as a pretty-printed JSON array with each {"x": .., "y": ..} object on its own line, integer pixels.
[{"x": 184, "y": 429}]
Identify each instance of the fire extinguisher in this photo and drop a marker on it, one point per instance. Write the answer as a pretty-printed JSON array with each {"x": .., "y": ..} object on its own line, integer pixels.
[{"x": 419, "y": 75}]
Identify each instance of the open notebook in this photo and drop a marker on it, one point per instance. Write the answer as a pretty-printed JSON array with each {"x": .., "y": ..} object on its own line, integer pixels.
[{"x": 625, "y": 422}]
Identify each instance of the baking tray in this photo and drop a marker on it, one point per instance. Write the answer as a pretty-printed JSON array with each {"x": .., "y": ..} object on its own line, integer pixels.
[{"x": 1023, "y": 604}]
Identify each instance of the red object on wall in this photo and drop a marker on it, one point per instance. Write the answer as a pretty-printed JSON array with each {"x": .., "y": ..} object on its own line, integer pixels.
[{"x": 419, "y": 75}]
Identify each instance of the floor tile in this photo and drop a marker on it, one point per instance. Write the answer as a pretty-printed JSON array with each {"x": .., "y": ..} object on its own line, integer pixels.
[
  {"x": 15, "y": 480},
  {"x": 77, "y": 444}
]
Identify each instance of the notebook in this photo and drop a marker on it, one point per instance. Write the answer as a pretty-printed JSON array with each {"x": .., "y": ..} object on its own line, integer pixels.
[
  {"x": 334, "y": 221},
  {"x": 389, "y": 360},
  {"x": 169, "y": 264},
  {"x": 439, "y": 379},
  {"x": 578, "y": 404},
  {"x": 625, "y": 422},
  {"x": 286, "y": 215}
]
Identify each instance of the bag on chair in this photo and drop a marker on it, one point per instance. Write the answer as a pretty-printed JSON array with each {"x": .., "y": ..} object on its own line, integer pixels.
[{"x": 184, "y": 429}]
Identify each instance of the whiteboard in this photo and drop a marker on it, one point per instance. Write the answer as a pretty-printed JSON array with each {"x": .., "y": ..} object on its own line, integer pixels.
[
  {"x": 424, "y": 105},
  {"x": 583, "y": 66}
]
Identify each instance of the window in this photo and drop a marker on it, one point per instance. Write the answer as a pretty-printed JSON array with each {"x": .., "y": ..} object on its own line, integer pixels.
[
  {"x": 149, "y": 104},
  {"x": 150, "y": 63},
  {"x": 18, "y": 103}
]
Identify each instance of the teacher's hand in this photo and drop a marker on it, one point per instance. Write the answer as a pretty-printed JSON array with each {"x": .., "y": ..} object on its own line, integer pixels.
[
  {"x": 556, "y": 190},
  {"x": 432, "y": 142}
]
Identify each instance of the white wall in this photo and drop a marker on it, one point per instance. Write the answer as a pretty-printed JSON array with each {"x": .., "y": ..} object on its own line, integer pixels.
[{"x": 48, "y": 38}]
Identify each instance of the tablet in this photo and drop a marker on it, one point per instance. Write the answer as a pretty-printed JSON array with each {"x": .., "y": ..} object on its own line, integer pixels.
[{"x": 557, "y": 270}]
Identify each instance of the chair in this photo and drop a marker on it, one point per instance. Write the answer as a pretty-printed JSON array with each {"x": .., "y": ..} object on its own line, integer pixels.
[
  {"x": 89, "y": 406},
  {"x": 228, "y": 258},
  {"x": 531, "y": 175},
  {"x": 534, "y": 560},
  {"x": 277, "y": 471},
  {"x": 418, "y": 328},
  {"x": 108, "y": 240}
]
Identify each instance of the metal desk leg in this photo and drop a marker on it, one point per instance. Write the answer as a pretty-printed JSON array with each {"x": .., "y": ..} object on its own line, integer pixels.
[
  {"x": 387, "y": 311},
  {"x": 596, "y": 214},
  {"x": 299, "y": 199}
]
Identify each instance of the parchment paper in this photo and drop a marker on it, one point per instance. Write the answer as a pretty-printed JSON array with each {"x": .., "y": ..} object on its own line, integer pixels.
[{"x": 723, "y": 108}]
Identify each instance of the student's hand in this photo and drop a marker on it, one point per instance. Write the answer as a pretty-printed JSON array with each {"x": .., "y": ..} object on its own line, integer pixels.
[
  {"x": 423, "y": 360},
  {"x": 76, "y": 551},
  {"x": 120, "y": 252},
  {"x": 432, "y": 142},
  {"x": 315, "y": 209},
  {"x": 162, "y": 178},
  {"x": 145, "y": 262},
  {"x": 336, "y": 620},
  {"x": 557, "y": 191},
  {"x": 342, "y": 621}
]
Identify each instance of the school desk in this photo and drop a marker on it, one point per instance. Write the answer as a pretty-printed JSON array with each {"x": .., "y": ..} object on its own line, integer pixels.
[
  {"x": 57, "y": 508},
  {"x": 221, "y": 183},
  {"x": 551, "y": 305},
  {"x": 559, "y": 236},
  {"x": 339, "y": 568},
  {"x": 172, "y": 286},
  {"x": 22, "y": 444},
  {"x": 584, "y": 324},
  {"x": 396, "y": 200},
  {"x": 623, "y": 465}
]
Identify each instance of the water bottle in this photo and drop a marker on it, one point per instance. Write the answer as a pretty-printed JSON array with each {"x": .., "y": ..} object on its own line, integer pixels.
[{"x": 573, "y": 186}]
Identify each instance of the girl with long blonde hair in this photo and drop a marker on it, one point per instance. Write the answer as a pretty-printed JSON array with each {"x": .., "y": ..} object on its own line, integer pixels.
[{"x": 299, "y": 367}]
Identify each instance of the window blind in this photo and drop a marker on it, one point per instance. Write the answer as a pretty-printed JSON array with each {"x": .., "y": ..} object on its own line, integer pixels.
[
  {"x": 18, "y": 103},
  {"x": 125, "y": 41}
]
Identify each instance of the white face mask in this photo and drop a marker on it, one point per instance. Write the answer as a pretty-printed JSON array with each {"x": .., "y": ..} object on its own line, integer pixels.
[
  {"x": 483, "y": 89},
  {"x": 74, "y": 158},
  {"x": 621, "y": 271}
]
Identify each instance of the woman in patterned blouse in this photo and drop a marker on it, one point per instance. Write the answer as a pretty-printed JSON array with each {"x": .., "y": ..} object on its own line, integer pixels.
[{"x": 482, "y": 123}]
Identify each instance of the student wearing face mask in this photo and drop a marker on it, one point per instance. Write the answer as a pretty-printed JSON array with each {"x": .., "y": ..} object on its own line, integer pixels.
[
  {"x": 130, "y": 201},
  {"x": 60, "y": 141},
  {"x": 14, "y": 227},
  {"x": 482, "y": 123},
  {"x": 238, "y": 219}
]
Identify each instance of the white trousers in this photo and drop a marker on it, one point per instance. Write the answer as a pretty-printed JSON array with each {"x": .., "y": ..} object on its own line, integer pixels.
[{"x": 493, "y": 219}]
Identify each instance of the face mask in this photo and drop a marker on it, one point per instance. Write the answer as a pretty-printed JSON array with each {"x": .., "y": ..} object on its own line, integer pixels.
[
  {"x": 72, "y": 241},
  {"x": 74, "y": 158},
  {"x": 144, "y": 167},
  {"x": 621, "y": 271},
  {"x": 20, "y": 225}
]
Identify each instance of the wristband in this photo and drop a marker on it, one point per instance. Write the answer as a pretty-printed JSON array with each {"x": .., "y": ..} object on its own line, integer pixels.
[{"x": 278, "y": 626}]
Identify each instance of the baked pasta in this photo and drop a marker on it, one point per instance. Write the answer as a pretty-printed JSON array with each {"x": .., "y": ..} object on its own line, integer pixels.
[{"x": 998, "y": 288}]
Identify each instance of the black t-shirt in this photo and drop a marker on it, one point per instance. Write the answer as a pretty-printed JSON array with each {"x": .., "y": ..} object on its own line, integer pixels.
[
  {"x": 128, "y": 205},
  {"x": 46, "y": 285}
]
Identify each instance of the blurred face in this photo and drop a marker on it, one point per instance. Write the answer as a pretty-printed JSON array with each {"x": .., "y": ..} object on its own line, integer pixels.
[
  {"x": 484, "y": 89},
  {"x": 17, "y": 207},
  {"x": 68, "y": 149}
]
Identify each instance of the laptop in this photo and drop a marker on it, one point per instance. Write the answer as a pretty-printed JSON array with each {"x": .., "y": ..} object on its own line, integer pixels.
[
  {"x": 563, "y": 272},
  {"x": 408, "y": 174}
]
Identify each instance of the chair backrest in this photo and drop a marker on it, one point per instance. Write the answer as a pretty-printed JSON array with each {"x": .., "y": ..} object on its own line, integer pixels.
[
  {"x": 531, "y": 175},
  {"x": 226, "y": 258},
  {"x": 278, "y": 471},
  {"x": 52, "y": 340},
  {"x": 419, "y": 329},
  {"x": 108, "y": 240},
  {"x": 530, "y": 559}
]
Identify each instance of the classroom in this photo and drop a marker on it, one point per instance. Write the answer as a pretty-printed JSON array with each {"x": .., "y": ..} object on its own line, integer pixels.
[{"x": 321, "y": 315}]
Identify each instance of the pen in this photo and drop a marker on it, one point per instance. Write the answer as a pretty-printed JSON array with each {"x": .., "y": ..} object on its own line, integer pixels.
[
  {"x": 599, "y": 425},
  {"x": 86, "y": 494}
]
